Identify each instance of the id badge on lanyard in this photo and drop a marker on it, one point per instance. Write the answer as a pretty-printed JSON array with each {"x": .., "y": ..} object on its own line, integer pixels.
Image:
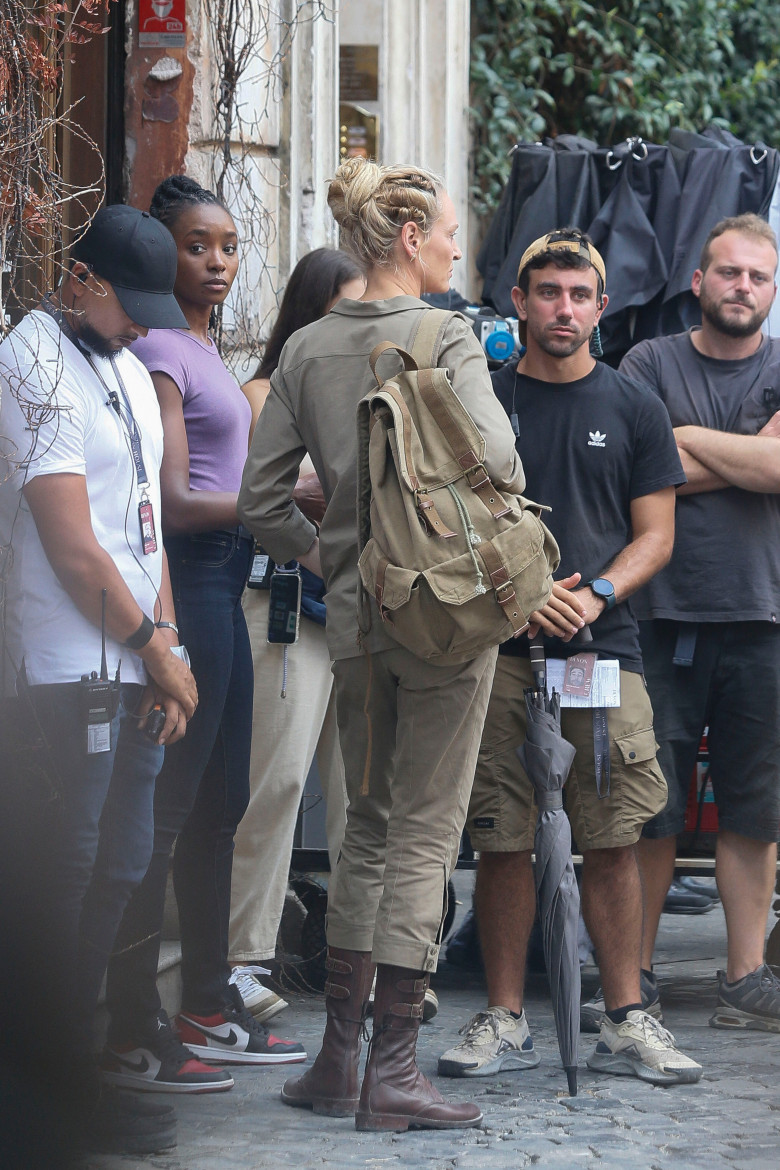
[{"x": 145, "y": 509}]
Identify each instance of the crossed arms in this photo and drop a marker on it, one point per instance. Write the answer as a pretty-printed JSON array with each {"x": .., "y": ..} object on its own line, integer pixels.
[{"x": 713, "y": 460}]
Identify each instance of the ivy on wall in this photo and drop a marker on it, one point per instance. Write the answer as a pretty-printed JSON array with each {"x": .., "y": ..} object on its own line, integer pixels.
[{"x": 548, "y": 67}]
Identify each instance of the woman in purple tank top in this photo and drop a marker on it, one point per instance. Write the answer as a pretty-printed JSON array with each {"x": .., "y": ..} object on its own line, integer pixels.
[{"x": 203, "y": 788}]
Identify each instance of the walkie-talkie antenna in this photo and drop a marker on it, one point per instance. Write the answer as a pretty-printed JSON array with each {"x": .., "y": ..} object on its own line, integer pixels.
[{"x": 103, "y": 663}]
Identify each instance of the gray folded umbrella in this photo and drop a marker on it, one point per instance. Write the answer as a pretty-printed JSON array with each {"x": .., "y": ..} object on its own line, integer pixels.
[{"x": 547, "y": 758}]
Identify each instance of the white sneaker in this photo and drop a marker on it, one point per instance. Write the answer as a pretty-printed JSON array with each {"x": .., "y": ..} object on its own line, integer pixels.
[
  {"x": 592, "y": 1010},
  {"x": 494, "y": 1042},
  {"x": 263, "y": 1003},
  {"x": 641, "y": 1047}
]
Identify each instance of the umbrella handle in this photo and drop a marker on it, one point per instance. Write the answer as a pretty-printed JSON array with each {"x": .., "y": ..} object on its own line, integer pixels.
[{"x": 539, "y": 662}]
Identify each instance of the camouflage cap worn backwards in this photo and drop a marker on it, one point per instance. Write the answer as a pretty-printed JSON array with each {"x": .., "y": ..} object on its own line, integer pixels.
[
  {"x": 565, "y": 240},
  {"x": 562, "y": 240}
]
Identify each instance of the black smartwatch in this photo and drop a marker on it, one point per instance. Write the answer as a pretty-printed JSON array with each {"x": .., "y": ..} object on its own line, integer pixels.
[{"x": 605, "y": 590}]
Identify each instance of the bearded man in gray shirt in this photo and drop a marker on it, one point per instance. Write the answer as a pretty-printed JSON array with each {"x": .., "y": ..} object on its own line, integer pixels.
[{"x": 710, "y": 641}]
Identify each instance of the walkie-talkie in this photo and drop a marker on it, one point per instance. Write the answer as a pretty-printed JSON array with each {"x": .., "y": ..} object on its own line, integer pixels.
[
  {"x": 284, "y": 608},
  {"x": 99, "y": 698}
]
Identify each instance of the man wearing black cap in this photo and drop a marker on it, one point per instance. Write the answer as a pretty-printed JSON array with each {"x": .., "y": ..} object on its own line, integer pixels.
[
  {"x": 89, "y": 645},
  {"x": 596, "y": 448}
]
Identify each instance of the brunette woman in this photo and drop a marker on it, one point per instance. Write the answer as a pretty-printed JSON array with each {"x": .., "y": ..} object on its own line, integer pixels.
[
  {"x": 203, "y": 788},
  {"x": 287, "y": 732}
]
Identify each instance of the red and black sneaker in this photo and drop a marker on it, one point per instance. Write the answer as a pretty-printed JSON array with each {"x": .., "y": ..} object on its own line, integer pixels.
[
  {"x": 157, "y": 1061},
  {"x": 233, "y": 1036}
]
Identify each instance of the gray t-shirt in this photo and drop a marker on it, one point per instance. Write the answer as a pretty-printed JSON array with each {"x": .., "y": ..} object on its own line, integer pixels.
[{"x": 726, "y": 561}]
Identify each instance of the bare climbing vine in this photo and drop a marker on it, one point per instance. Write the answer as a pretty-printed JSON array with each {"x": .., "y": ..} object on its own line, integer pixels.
[
  {"x": 34, "y": 36},
  {"x": 250, "y": 46}
]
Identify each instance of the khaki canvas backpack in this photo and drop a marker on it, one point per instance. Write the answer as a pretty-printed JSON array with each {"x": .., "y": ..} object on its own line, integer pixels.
[{"x": 454, "y": 565}]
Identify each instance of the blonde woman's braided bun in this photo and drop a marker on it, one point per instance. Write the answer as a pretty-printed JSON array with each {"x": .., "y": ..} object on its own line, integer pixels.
[{"x": 371, "y": 203}]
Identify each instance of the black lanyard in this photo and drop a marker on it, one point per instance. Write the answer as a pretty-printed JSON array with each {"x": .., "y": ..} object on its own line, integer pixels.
[{"x": 131, "y": 425}]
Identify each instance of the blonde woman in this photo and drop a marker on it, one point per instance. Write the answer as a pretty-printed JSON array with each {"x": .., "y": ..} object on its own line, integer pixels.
[{"x": 402, "y": 836}]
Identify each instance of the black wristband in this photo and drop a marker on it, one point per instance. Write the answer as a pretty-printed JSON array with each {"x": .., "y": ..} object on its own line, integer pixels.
[
  {"x": 142, "y": 635},
  {"x": 168, "y": 626}
]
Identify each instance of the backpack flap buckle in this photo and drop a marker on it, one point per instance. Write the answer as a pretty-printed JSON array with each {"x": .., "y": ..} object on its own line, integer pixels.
[
  {"x": 429, "y": 516},
  {"x": 507, "y": 598},
  {"x": 476, "y": 475},
  {"x": 480, "y": 483}
]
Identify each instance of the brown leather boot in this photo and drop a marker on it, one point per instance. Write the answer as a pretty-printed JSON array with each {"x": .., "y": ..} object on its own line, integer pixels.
[
  {"x": 330, "y": 1086},
  {"x": 395, "y": 1094}
]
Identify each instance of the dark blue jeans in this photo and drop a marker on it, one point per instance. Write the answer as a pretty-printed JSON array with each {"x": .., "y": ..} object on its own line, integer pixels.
[
  {"x": 76, "y": 840},
  {"x": 202, "y": 792}
]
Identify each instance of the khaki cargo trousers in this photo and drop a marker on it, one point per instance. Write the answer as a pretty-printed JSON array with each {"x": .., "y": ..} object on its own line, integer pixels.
[{"x": 410, "y": 735}]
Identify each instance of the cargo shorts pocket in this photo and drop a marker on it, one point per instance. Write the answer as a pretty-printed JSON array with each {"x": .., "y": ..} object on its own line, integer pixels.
[
  {"x": 636, "y": 747},
  {"x": 644, "y": 791}
]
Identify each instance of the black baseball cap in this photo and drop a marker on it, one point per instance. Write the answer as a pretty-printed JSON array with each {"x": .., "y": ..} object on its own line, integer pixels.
[{"x": 136, "y": 254}]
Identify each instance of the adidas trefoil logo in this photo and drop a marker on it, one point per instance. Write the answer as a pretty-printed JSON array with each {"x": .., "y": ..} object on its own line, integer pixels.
[{"x": 597, "y": 439}]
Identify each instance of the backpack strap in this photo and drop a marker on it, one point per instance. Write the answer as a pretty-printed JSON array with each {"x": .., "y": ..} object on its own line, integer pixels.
[
  {"x": 428, "y": 337},
  {"x": 384, "y": 347},
  {"x": 425, "y": 351},
  {"x": 501, "y": 580},
  {"x": 474, "y": 471},
  {"x": 426, "y": 508}
]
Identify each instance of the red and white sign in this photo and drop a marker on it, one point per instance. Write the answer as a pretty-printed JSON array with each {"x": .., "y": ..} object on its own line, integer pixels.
[{"x": 162, "y": 24}]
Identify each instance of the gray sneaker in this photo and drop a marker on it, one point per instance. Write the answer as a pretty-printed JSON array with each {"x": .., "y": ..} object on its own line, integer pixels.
[
  {"x": 751, "y": 1002},
  {"x": 592, "y": 1011},
  {"x": 641, "y": 1047},
  {"x": 494, "y": 1041}
]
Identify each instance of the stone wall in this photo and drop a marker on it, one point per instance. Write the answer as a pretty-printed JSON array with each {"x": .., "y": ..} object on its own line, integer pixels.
[{"x": 286, "y": 146}]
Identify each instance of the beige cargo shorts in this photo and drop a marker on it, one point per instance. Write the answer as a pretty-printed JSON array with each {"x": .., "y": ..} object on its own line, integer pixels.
[{"x": 502, "y": 809}]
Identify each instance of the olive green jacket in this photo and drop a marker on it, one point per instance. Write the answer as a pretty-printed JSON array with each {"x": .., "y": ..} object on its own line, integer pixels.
[{"x": 323, "y": 373}]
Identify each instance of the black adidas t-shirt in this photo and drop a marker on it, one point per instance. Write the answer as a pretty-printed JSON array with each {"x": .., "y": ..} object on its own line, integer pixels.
[{"x": 589, "y": 448}]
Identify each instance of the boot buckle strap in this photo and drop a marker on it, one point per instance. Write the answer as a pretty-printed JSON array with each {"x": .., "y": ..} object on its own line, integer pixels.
[
  {"x": 337, "y": 965},
  {"x": 413, "y": 986},
  {"x": 412, "y": 1011},
  {"x": 336, "y": 991}
]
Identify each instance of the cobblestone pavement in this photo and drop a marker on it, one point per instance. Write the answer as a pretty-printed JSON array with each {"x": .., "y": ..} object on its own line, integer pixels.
[{"x": 730, "y": 1120}]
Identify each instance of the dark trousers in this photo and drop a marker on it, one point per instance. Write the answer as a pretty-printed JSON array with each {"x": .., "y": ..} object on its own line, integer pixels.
[
  {"x": 75, "y": 839},
  {"x": 201, "y": 793},
  {"x": 733, "y": 686}
]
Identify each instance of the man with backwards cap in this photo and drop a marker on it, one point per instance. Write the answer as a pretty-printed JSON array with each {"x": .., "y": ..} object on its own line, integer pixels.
[
  {"x": 89, "y": 645},
  {"x": 597, "y": 448}
]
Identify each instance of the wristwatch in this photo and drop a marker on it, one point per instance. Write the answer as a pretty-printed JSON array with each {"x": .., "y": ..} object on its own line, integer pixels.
[
  {"x": 181, "y": 652},
  {"x": 605, "y": 590}
]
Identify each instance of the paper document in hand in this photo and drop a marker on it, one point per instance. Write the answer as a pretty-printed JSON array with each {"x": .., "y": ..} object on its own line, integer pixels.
[{"x": 604, "y": 687}]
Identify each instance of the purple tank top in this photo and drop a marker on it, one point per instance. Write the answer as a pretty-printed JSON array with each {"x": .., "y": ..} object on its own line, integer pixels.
[{"x": 217, "y": 416}]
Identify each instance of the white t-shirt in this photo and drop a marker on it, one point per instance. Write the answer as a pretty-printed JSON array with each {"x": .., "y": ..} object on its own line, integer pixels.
[{"x": 55, "y": 417}]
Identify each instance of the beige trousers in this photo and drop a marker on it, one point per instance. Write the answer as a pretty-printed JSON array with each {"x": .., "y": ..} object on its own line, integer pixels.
[
  {"x": 419, "y": 726},
  {"x": 286, "y": 733}
]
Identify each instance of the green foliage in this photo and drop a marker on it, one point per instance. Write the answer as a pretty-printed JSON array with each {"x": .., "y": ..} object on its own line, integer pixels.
[{"x": 547, "y": 67}]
